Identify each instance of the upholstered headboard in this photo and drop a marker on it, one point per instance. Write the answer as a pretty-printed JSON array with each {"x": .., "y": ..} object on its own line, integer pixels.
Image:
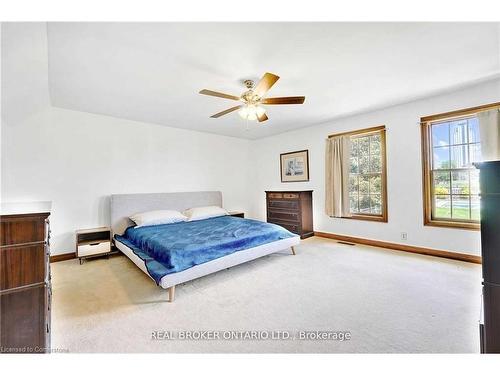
[{"x": 125, "y": 205}]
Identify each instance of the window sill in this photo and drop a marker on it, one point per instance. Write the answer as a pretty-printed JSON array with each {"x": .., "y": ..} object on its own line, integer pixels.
[
  {"x": 452, "y": 224},
  {"x": 380, "y": 219}
]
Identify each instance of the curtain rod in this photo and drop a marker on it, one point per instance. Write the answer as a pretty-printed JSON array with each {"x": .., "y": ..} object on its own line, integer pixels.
[{"x": 360, "y": 131}]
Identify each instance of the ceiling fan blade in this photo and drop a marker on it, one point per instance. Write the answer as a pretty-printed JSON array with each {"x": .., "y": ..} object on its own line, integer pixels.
[
  {"x": 265, "y": 83},
  {"x": 219, "y": 94},
  {"x": 262, "y": 117},
  {"x": 226, "y": 111},
  {"x": 284, "y": 100}
]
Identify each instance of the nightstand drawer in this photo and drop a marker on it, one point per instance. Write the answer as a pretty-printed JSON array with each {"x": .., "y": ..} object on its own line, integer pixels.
[{"x": 94, "y": 248}]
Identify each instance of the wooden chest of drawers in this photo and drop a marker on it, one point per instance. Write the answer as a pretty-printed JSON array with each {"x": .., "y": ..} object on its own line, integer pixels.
[
  {"x": 292, "y": 210},
  {"x": 490, "y": 252},
  {"x": 25, "y": 290}
]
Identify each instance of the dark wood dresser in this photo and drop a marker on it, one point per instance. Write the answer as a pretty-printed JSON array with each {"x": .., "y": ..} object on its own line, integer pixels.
[
  {"x": 490, "y": 252},
  {"x": 25, "y": 290},
  {"x": 292, "y": 210}
]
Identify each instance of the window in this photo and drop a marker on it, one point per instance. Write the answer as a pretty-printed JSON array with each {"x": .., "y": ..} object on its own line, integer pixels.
[
  {"x": 450, "y": 146},
  {"x": 367, "y": 174}
]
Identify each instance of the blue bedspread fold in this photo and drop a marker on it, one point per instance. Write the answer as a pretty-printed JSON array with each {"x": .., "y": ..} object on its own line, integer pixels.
[{"x": 171, "y": 248}]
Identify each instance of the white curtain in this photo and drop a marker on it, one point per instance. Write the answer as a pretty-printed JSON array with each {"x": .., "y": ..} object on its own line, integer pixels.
[
  {"x": 337, "y": 176},
  {"x": 489, "y": 133}
]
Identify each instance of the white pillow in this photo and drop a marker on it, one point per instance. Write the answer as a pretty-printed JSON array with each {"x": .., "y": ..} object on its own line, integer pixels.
[
  {"x": 200, "y": 213},
  {"x": 158, "y": 217}
]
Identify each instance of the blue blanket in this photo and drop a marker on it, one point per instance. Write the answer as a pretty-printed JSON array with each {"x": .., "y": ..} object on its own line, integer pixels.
[{"x": 176, "y": 247}]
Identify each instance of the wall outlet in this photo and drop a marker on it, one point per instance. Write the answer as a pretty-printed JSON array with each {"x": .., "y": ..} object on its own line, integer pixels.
[{"x": 404, "y": 236}]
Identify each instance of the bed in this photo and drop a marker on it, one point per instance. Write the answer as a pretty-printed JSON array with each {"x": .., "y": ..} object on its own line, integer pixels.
[{"x": 172, "y": 254}]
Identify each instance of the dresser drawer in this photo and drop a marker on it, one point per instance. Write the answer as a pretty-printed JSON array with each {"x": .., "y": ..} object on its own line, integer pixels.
[
  {"x": 22, "y": 229},
  {"x": 22, "y": 266},
  {"x": 292, "y": 227},
  {"x": 283, "y": 215},
  {"x": 275, "y": 195},
  {"x": 23, "y": 319},
  {"x": 285, "y": 204},
  {"x": 94, "y": 249}
]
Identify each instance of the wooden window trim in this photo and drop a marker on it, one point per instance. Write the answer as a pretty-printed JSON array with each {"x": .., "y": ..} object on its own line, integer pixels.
[
  {"x": 460, "y": 112},
  {"x": 384, "y": 217},
  {"x": 425, "y": 123}
]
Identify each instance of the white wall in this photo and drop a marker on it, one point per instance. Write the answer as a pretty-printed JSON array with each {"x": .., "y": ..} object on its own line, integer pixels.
[
  {"x": 404, "y": 170},
  {"x": 77, "y": 159}
]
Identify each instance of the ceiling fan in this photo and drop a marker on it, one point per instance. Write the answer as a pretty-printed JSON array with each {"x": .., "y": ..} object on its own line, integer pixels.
[{"x": 253, "y": 99}]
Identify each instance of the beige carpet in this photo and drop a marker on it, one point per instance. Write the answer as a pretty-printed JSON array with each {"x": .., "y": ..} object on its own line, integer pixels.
[{"x": 389, "y": 301}]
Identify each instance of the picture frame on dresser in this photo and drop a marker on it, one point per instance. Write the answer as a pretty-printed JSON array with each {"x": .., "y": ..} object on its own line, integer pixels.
[{"x": 294, "y": 166}]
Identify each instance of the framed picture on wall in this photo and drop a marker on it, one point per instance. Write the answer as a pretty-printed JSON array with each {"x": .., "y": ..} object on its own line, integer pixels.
[{"x": 295, "y": 166}]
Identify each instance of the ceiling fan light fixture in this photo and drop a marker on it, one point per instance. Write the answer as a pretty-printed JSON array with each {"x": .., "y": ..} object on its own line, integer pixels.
[
  {"x": 251, "y": 112},
  {"x": 251, "y": 101}
]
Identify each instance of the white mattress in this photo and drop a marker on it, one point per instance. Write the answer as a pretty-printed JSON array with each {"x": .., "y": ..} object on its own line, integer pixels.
[{"x": 215, "y": 265}]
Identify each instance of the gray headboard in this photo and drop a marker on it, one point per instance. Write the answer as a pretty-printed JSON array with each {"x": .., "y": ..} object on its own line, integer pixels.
[{"x": 125, "y": 205}]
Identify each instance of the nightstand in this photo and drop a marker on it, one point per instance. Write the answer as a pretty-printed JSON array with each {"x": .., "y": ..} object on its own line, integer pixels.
[
  {"x": 237, "y": 214},
  {"x": 91, "y": 243}
]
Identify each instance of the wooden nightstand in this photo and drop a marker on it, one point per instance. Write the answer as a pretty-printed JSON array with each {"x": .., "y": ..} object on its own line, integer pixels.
[
  {"x": 237, "y": 214},
  {"x": 91, "y": 243}
]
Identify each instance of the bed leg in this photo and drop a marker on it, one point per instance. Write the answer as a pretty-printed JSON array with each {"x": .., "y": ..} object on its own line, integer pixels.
[
  {"x": 293, "y": 250},
  {"x": 171, "y": 294}
]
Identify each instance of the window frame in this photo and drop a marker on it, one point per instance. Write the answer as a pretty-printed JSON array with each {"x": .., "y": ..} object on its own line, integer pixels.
[
  {"x": 426, "y": 143},
  {"x": 383, "y": 217}
]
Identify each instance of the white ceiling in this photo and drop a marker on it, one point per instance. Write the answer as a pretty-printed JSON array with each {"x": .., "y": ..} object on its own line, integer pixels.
[{"x": 152, "y": 72}]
